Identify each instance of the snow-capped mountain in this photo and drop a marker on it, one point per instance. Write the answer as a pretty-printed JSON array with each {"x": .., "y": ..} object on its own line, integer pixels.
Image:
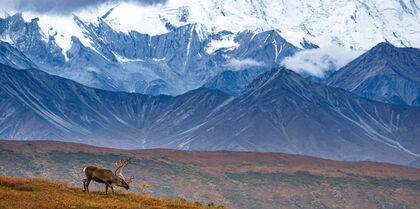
[
  {"x": 385, "y": 73},
  {"x": 357, "y": 24},
  {"x": 181, "y": 45},
  {"x": 279, "y": 112},
  {"x": 172, "y": 63}
]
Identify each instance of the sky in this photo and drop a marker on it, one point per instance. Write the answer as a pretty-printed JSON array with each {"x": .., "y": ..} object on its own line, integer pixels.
[{"x": 64, "y": 7}]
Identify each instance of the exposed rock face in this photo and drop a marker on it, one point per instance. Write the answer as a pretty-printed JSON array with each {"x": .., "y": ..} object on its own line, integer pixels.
[{"x": 173, "y": 63}]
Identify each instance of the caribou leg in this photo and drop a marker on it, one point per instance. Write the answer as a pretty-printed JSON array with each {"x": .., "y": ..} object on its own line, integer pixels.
[
  {"x": 84, "y": 185},
  {"x": 112, "y": 188},
  {"x": 87, "y": 184}
]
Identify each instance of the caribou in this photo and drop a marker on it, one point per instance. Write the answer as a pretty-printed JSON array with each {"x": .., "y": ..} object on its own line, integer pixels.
[{"x": 107, "y": 177}]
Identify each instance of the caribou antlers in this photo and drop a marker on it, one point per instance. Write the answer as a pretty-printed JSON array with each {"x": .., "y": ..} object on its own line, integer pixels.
[{"x": 122, "y": 165}]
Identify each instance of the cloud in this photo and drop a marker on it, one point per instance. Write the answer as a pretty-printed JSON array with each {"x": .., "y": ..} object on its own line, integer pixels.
[
  {"x": 241, "y": 64},
  {"x": 64, "y": 6},
  {"x": 317, "y": 61}
]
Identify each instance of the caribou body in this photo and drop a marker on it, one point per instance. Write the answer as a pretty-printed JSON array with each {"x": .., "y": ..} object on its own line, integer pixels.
[{"x": 107, "y": 177}]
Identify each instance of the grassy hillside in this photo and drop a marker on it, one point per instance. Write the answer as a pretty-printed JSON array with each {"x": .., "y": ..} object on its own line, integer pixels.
[
  {"x": 41, "y": 193},
  {"x": 235, "y": 179}
]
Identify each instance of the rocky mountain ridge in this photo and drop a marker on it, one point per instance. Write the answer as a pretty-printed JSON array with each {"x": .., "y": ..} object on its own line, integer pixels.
[{"x": 268, "y": 116}]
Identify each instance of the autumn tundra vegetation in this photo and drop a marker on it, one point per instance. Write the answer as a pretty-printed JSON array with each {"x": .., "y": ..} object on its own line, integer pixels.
[
  {"x": 241, "y": 180},
  {"x": 42, "y": 193}
]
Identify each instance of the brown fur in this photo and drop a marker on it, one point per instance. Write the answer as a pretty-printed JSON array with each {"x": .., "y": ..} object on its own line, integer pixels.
[{"x": 104, "y": 176}]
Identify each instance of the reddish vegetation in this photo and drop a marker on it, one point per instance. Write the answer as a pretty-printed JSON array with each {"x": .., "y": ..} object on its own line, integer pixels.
[
  {"x": 235, "y": 179},
  {"x": 213, "y": 161}
]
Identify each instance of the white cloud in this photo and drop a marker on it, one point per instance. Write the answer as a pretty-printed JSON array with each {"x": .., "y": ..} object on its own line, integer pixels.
[
  {"x": 241, "y": 64},
  {"x": 65, "y": 6},
  {"x": 317, "y": 61}
]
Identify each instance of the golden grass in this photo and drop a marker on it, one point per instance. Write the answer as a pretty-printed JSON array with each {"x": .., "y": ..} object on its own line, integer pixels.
[{"x": 41, "y": 193}]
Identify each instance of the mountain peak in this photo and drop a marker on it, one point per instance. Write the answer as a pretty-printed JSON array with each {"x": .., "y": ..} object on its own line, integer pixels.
[
  {"x": 383, "y": 45},
  {"x": 274, "y": 79},
  {"x": 385, "y": 73},
  {"x": 387, "y": 59},
  {"x": 386, "y": 49}
]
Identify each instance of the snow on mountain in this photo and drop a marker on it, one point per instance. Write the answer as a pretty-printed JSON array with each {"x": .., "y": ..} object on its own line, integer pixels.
[
  {"x": 181, "y": 45},
  {"x": 353, "y": 24},
  {"x": 170, "y": 63}
]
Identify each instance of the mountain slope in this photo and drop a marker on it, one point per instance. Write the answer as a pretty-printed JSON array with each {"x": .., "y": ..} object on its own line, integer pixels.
[
  {"x": 12, "y": 57},
  {"x": 279, "y": 112},
  {"x": 235, "y": 179},
  {"x": 233, "y": 82},
  {"x": 42, "y": 193},
  {"x": 37, "y": 105},
  {"x": 385, "y": 73}
]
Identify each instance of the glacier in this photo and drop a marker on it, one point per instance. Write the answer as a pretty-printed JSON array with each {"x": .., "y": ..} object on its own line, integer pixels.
[
  {"x": 182, "y": 45},
  {"x": 357, "y": 24},
  {"x": 171, "y": 63}
]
